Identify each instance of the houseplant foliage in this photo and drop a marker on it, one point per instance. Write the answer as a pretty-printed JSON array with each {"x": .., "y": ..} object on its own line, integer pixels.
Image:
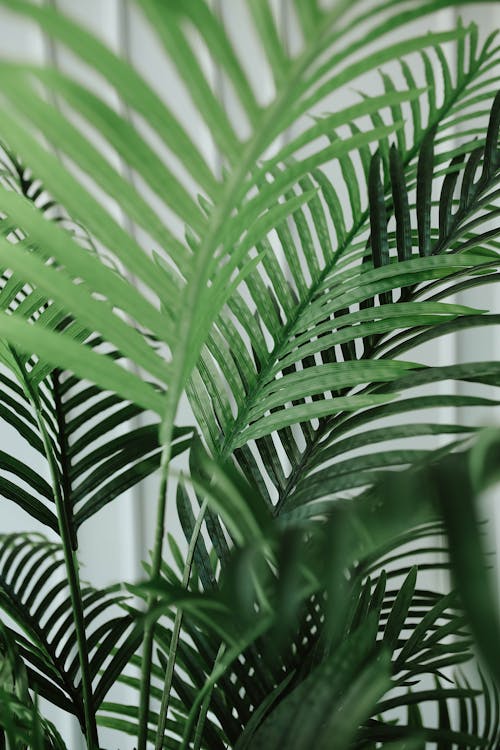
[{"x": 295, "y": 614}]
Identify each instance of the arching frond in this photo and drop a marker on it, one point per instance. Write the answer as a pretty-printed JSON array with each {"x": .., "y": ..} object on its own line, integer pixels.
[
  {"x": 359, "y": 324},
  {"x": 53, "y": 411},
  {"x": 34, "y": 595},
  {"x": 295, "y": 315},
  {"x": 220, "y": 240}
]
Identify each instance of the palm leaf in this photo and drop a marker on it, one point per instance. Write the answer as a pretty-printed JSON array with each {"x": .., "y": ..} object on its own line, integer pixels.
[
  {"x": 56, "y": 415},
  {"x": 471, "y": 203},
  {"x": 185, "y": 336},
  {"x": 290, "y": 330},
  {"x": 57, "y": 406},
  {"x": 34, "y": 595}
]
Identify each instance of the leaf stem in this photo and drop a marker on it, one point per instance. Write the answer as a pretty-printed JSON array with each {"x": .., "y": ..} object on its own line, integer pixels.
[
  {"x": 72, "y": 571},
  {"x": 165, "y": 698},
  {"x": 147, "y": 656},
  {"x": 200, "y": 724}
]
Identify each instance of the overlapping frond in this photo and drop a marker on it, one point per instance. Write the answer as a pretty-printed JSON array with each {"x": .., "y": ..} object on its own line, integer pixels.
[
  {"x": 474, "y": 208},
  {"x": 70, "y": 428},
  {"x": 53, "y": 410},
  {"x": 354, "y": 325}
]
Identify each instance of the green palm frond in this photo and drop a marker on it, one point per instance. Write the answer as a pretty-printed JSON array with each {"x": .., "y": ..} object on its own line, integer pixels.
[
  {"x": 21, "y": 726},
  {"x": 56, "y": 415},
  {"x": 72, "y": 426},
  {"x": 334, "y": 248},
  {"x": 414, "y": 622},
  {"x": 34, "y": 594},
  {"x": 219, "y": 236},
  {"x": 378, "y": 343},
  {"x": 299, "y": 336},
  {"x": 50, "y": 408}
]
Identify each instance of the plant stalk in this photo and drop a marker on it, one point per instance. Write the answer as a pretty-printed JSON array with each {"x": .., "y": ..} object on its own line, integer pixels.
[
  {"x": 200, "y": 724},
  {"x": 165, "y": 698},
  {"x": 72, "y": 571}
]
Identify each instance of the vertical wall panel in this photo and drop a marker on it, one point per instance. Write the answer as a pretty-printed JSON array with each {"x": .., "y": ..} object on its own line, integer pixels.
[{"x": 485, "y": 344}]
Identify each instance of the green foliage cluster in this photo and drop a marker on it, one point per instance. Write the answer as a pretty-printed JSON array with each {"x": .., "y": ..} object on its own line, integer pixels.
[{"x": 320, "y": 488}]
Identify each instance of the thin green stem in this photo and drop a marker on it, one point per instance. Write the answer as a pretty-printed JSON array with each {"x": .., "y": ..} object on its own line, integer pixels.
[
  {"x": 205, "y": 693},
  {"x": 200, "y": 724},
  {"x": 224, "y": 658},
  {"x": 147, "y": 656},
  {"x": 72, "y": 571},
  {"x": 165, "y": 698}
]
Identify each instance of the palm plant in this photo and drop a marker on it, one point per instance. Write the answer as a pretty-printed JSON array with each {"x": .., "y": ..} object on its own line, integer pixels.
[{"x": 280, "y": 297}]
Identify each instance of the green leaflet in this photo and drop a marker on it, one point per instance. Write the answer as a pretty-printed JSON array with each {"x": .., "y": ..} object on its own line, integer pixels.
[
  {"x": 94, "y": 314},
  {"x": 326, "y": 124},
  {"x": 267, "y": 424},
  {"x": 29, "y": 589},
  {"x": 378, "y": 217},
  {"x": 239, "y": 505},
  {"x": 331, "y": 376},
  {"x": 80, "y": 263},
  {"x": 82, "y": 205},
  {"x": 163, "y": 20},
  {"x": 399, "y": 612},
  {"x": 401, "y": 208},
  {"x": 127, "y": 141},
  {"x": 76, "y": 146}
]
